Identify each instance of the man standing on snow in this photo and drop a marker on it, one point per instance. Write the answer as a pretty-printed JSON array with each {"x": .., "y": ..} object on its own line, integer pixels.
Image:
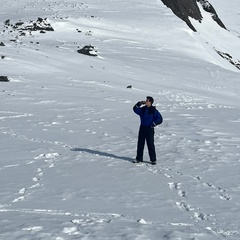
[{"x": 150, "y": 117}]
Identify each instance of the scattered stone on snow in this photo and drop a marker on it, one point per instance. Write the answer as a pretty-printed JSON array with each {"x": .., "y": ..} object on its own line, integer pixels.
[
  {"x": 88, "y": 50},
  {"x": 2, "y": 44}
]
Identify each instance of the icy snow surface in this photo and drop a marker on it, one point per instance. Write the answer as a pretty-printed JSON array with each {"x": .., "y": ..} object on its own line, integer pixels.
[{"x": 68, "y": 133}]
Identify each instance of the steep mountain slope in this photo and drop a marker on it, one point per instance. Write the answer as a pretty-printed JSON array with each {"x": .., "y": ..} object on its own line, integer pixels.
[
  {"x": 186, "y": 9},
  {"x": 201, "y": 12}
]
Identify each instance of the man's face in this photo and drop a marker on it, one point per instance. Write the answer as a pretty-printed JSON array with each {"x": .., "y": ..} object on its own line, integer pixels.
[{"x": 148, "y": 103}]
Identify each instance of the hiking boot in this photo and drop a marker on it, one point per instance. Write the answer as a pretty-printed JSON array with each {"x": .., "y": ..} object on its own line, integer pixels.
[
  {"x": 137, "y": 161},
  {"x": 153, "y": 162}
]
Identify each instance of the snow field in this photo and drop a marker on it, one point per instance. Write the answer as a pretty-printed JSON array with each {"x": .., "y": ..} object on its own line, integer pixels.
[{"x": 68, "y": 133}]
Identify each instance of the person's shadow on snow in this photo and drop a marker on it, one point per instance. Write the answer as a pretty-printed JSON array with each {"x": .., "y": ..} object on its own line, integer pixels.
[{"x": 95, "y": 152}]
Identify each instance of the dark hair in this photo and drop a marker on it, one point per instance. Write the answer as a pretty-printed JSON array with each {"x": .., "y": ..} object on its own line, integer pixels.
[{"x": 150, "y": 99}]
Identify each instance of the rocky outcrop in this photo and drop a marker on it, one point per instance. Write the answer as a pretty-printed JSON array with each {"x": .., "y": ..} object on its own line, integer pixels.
[
  {"x": 229, "y": 58},
  {"x": 185, "y": 9},
  {"x": 209, "y": 8},
  {"x": 40, "y": 24},
  {"x": 189, "y": 8}
]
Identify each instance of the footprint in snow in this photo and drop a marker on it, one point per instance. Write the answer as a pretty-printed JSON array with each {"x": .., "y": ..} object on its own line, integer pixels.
[
  {"x": 22, "y": 191},
  {"x": 221, "y": 191},
  {"x": 25, "y": 192}
]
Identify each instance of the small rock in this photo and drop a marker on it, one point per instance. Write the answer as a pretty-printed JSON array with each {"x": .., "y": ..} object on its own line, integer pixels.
[
  {"x": 4, "y": 79},
  {"x": 142, "y": 221},
  {"x": 88, "y": 50}
]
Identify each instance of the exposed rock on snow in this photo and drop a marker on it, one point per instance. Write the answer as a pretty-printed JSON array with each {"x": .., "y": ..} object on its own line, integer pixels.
[
  {"x": 4, "y": 79},
  {"x": 227, "y": 56},
  {"x": 209, "y": 8},
  {"x": 39, "y": 25},
  {"x": 88, "y": 50},
  {"x": 189, "y": 8},
  {"x": 184, "y": 9}
]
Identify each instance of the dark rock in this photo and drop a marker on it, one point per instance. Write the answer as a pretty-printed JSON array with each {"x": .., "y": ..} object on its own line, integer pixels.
[
  {"x": 229, "y": 58},
  {"x": 88, "y": 50},
  {"x": 4, "y": 79},
  {"x": 19, "y": 24},
  {"x": 2, "y": 44},
  {"x": 7, "y": 22},
  {"x": 209, "y": 8},
  {"x": 39, "y": 25},
  {"x": 184, "y": 9},
  {"x": 189, "y": 8}
]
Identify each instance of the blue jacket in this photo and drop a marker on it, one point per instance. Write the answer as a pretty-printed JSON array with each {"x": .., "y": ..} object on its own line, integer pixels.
[{"x": 149, "y": 116}]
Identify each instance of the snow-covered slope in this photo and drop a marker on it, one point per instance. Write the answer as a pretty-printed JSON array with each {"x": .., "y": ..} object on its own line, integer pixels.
[
  {"x": 224, "y": 41},
  {"x": 68, "y": 133}
]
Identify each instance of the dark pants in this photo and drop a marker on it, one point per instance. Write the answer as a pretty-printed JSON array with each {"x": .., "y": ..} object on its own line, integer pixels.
[{"x": 146, "y": 134}]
